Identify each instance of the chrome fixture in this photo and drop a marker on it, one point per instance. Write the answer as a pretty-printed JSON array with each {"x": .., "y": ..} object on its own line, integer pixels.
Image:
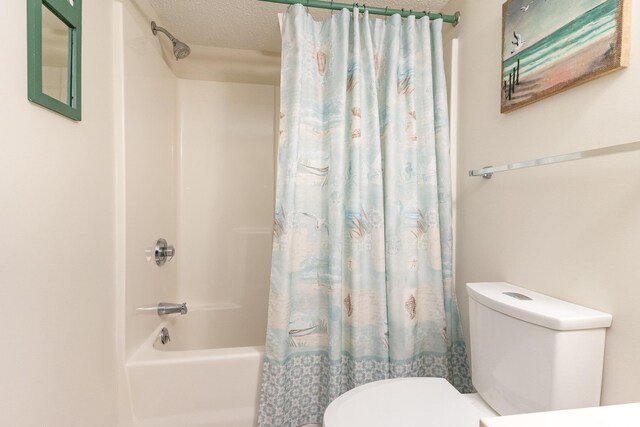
[
  {"x": 488, "y": 171},
  {"x": 171, "y": 308},
  {"x": 518, "y": 295},
  {"x": 164, "y": 336},
  {"x": 163, "y": 252},
  {"x": 163, "y": 308},
  {"x": 180, "y": 50}
]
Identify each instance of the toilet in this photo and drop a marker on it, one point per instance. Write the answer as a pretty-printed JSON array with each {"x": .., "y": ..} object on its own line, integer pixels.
[{"x": 529, "y": 352}]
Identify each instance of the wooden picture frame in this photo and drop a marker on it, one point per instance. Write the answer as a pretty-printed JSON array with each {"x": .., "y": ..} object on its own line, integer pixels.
[{"x": 549, "y": 46}]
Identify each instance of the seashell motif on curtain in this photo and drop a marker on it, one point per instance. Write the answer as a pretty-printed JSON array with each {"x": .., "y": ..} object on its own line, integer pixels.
[
  {"x": 348, "y": 306},
  {"x": 405, "y": 86},
  {"x": 352, "y": 82},
  {"x": 410, "y": 306}
]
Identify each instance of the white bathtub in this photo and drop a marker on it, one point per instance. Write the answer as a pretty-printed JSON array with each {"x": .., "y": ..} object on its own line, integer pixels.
[{"x": 208, "y": 375}]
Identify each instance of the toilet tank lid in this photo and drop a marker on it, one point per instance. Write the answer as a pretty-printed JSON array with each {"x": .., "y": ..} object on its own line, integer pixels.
[{"x": 536, "y": 308}]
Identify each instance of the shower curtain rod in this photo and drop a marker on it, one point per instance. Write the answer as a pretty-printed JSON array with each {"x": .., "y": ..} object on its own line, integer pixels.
[{"x": 385, "y": 11}]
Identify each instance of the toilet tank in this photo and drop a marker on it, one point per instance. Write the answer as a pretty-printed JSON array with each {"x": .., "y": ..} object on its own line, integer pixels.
[{"x": 531, "y": 352}]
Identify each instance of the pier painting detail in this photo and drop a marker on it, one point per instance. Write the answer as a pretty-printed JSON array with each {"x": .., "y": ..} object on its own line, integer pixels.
[{"x": 549, "y": 46}]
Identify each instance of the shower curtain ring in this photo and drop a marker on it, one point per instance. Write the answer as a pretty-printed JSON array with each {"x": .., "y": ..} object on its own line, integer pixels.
[
  {"x": 386, "y": 15},
  {"x": 331, "y": 7}
]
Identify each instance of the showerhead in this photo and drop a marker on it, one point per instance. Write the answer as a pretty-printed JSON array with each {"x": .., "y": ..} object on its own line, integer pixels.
[{"x": 180, "y": 50}]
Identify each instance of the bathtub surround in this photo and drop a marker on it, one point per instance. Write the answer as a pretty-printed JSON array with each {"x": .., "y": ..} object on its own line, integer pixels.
[
  {"x": 222, "y": 262},
  {"x": 361, "y": 286},
  {"x": 226, "y": 176},
  {"x": 149, "y": 205},
  {"x": 568, "y": 230},
  {"x": 223, "y": 253},
  {"x": 193, "y": 130}
]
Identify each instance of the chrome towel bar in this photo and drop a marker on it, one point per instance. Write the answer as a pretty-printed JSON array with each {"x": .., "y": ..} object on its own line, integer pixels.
[{"x": 487, "y": 172}]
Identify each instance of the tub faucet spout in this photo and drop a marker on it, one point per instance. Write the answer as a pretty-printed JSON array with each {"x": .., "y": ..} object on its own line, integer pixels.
[{"x": 170, "y": 308}]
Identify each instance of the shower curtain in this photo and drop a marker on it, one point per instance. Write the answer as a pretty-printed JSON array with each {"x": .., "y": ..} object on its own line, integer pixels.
[{"x": 361, "y": 280}]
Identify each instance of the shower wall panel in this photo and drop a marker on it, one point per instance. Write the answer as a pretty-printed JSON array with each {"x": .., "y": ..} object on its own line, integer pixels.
[{"x": 226, "y": 194}]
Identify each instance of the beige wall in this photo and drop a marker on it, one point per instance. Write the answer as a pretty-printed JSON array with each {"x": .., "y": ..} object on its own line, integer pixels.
[
  {"x": 57, "y": 357},
  {"x": 570, "y": 230}
]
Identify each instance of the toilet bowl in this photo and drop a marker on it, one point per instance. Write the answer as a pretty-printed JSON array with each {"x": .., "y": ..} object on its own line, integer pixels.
[
  {"x": 530, "y": 353},
  {"x": 407, "y": 402}
]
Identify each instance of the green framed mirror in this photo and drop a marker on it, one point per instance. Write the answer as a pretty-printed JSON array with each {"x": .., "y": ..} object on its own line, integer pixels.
[{"x": 54, "y": 44}]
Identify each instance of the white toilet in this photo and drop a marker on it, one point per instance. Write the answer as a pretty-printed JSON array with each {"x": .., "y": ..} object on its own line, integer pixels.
[{"x": 529, "y": 353}]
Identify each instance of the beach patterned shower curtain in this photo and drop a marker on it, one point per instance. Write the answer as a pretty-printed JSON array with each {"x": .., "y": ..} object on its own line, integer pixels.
[{"x": 361, "y": 286}]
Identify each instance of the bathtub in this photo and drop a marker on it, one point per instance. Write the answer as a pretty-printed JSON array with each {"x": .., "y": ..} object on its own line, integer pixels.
[{"x": 208, "y": 375}]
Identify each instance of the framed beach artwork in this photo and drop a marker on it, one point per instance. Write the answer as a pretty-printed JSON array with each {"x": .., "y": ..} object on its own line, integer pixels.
[{"x": 549, "y": 46}]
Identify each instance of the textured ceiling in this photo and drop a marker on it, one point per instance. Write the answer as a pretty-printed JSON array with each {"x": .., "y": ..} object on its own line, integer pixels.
[{"x": 246, "y": 24}]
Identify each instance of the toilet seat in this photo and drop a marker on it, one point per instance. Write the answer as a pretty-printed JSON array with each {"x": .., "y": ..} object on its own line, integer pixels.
[{"x": 406, "y": 402}]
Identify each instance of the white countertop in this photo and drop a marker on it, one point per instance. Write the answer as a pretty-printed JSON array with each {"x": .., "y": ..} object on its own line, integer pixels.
[{"x": 602, "y": 416}]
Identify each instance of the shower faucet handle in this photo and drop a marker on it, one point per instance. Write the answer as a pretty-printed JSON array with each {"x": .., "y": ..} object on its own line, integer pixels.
[{"x": 163, "y": 252}]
